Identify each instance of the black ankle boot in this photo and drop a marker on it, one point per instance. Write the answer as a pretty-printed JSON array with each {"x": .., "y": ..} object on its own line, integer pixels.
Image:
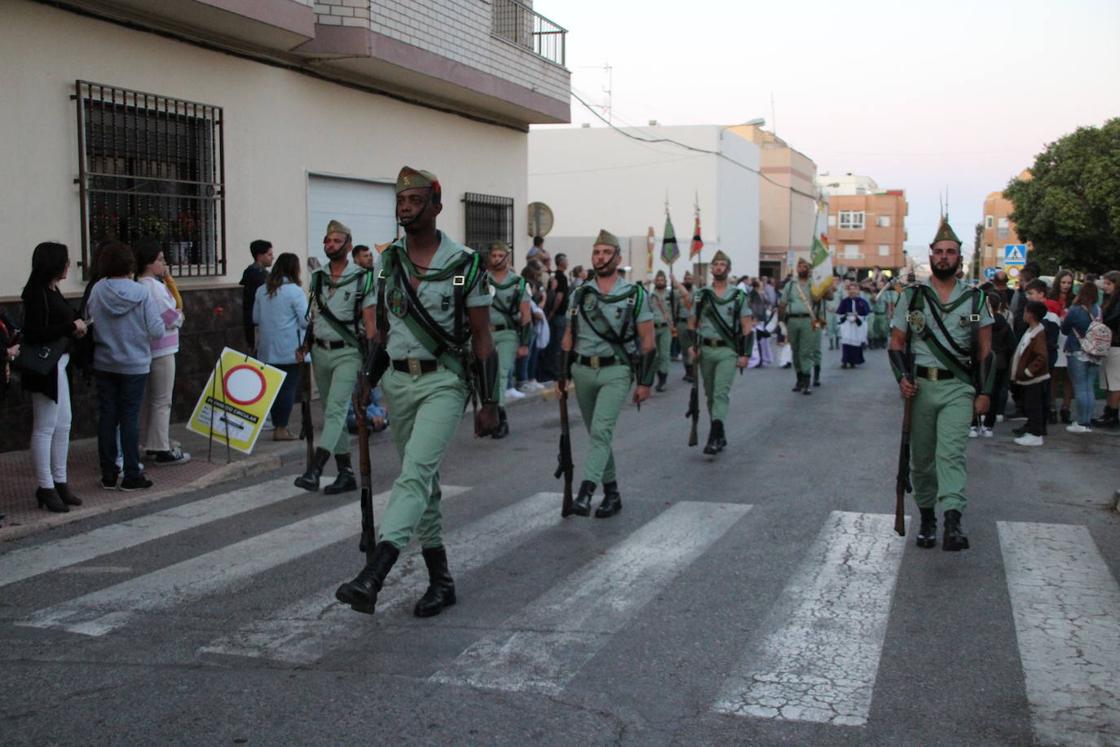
[
  {"x": 361, "y": 593},
  {"x": 612, "y": 501},
  {"x": 927, "y": 532},
  {"x": 66, "y": 494},
  {"x": 688, "y": 375},
  {"x": 1066, "y": 418},
  {"x": 581, "y": 506},
  {"x": 309, "y": 480},
  {"x": 712, "y": 447},
  {"x": 1109, "y": 419},
  {"x": 954, "y": 538},
  {"x": 816, "y": 375},
  {"x": 800, "y": 384},
  {"x": 345, "y": 481},
  {"x": 661, "y": 379},
  {"x": 441, "y": 587},
  {"x": 721, "y": 436},
  {"x": 806, "y": 387},
  {"x": 47, "y": 498},
  {"x": 503, "y": 425}
]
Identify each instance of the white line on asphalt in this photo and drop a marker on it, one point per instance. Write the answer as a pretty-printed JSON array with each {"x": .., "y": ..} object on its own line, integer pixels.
[
  {"x": 304, "y": 631},
  {"x": 1066, "y": 606},
  {"x": 541, "y": 648},
  {"x": 820, "y": 662},
  {"x": 102, "y": 611},
  {"x": 49, "y": 556}
]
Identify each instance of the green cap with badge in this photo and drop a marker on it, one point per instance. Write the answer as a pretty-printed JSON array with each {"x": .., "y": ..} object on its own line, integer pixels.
[
  {"x": 411, "y": 178},
  {"x": 945, "y": 232},
  {"x": 719, "y": 256},
  {"x": 337, "y": 226},
  {"x": 608, "y": 238}
]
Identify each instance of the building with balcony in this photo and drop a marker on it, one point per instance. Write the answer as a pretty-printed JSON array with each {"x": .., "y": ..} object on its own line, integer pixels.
[
  {"x": 596, "y": 177},
  {"x": 866, "y": 224},
  {"x": 210, "y": 123},
  {"x": 998, "y": 228}
]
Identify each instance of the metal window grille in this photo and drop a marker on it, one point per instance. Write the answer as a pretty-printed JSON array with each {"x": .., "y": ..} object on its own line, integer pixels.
[
  {"x": 152, "y": 167},
  {"x": 489, "y": 218},
  {"x": 518, "y": 23}
]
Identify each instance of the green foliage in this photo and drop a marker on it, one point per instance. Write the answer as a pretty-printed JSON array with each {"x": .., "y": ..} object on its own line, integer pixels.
[{"x": 1070, "y": 210}]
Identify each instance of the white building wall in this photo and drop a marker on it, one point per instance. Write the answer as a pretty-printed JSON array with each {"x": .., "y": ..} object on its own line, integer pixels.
[
  {"x": 280, "y": 127},
  {"x": 596, "y": 178}
]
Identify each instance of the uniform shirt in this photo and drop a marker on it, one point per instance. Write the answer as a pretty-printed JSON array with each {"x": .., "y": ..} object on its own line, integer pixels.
[
  {"x": 659, "y": 305},
  {"x": 954, "y": 319},
  {"x": 795, "y": 303},
  {"x": 683, "y": 311},
  {"x": 707, "y": 328},
  {"x": 605, "y": 315},
  {"x": 504, "y": 297},
  {"x": 340, "y": 297},
  {"x": 438, "y": 298}
]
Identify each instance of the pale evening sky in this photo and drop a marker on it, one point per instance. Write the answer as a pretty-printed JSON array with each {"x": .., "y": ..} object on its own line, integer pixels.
[{"x": 920, "y": 96}]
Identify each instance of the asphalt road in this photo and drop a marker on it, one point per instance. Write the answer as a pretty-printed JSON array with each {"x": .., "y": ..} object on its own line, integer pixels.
[{"x": 758, "y": 598}]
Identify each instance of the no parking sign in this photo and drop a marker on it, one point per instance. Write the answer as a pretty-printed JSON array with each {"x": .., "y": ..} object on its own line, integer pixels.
[{"x": 236, "y": 400}]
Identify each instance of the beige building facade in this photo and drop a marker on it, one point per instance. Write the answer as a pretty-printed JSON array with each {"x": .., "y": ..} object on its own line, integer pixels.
[
  {"x": 999, "y": 229},
  {"x": 866, "y": 224}
]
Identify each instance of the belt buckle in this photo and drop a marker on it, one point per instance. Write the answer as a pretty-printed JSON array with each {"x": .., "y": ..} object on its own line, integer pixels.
[
  {"x": 933, "y": 374},
  {"x": 414, "y": 367},
  {"x": 459, "y": 281},
  {"x": 594, "y": 361}
]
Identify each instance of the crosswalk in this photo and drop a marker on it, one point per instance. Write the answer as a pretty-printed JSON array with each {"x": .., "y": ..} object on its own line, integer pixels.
[{"x": 814, "y": 658}]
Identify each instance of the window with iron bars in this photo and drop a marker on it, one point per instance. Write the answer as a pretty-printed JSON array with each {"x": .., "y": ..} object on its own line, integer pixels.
[
  {"x": 488, "y": 218},
  {"x": 152, "y": 167}
]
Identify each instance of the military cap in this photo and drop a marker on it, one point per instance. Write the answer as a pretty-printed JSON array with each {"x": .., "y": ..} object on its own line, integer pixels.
[
  {"x": 719, "y": 256},
  {"x": 803, "y": 261},
  {"x": 498, "y": 246},
  {"x": 608, "y": 238},
  {"x": 411, "y": 178},
  {"x": 337, "y": 226},
  {"x": 945, "y": 232}
]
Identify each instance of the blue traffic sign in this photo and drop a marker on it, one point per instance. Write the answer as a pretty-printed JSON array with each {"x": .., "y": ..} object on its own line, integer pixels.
[
  {"x": 1014, "y": 254},
  {"x": 989, "y": 272}
]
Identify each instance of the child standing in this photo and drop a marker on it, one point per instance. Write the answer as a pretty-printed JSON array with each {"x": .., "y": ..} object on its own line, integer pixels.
[{"x": 1031, "y": 370}]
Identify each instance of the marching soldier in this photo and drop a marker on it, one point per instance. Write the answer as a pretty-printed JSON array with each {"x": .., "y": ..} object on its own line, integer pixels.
[
  {"x": 432, "y": 304},
  {"x": 608, "y": 344},
  {"x": 720, "y": 328},
  {"x": 802, "y": 313},
  {"x": 340, "y": 294},
  {"x": 682, "y": 304},
  {"x": 940, "y": 351},
  {"x": 661, "y": 304},
  {"x": 509, "y": 321}
]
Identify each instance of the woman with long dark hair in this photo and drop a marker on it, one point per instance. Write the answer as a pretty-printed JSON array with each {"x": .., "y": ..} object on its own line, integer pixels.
[
  {"x": 1059, "y": 298},
  {"x": 280, "y": 313},
  {"x": 1110, "y": 366},
  {"x": 47, "y": 320}
]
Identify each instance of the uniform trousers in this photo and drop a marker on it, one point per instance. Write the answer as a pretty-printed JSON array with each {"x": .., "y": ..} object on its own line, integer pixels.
[
  {"x": 601, "y": 392},
  {"x": 664, "y": 339},
  {"x": 717, "y": 366},
  {"x": 426, "y": 410},
  {"x": 336, "y": 373},
  {"x": 805, "y": 344},
  {"x": 505, "y": 342},
  {"x": 940, "y": 418}
]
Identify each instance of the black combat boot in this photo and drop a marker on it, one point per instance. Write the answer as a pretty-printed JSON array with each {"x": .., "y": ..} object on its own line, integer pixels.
[
  {"x": 361, "y": 593},
  {"x": 441, "y": 587},
  {"x": 800, "y": 383},
  {"x": 1109, "y": 419},
  {"x": 612, "y": 501},
  {"x": 66, "y": 494},
  {"x": 954, "y": 538},
  {"x": 806, "y": 384},
  {"x": 309, "y": 480},
  {"x": 503, "y": 425},
  {"x": 712, "y": 447},
  {"x": 688, "y": 375},
  {"x": 721, "y": 436},
  {"x": 661, "y": 379},
  {"x": 816, "y": 375},
  {"x": 581, "y": 506},
  {"x": 345, "y": 481},
  {"x": 927, "y": 532}
]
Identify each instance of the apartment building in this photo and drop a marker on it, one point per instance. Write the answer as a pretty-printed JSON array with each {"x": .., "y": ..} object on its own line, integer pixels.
[
  {"x": 999, "y": 229},
  {"x": 866, "y": 224}
]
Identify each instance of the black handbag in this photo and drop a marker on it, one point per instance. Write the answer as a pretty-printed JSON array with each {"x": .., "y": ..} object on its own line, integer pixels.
[{"x": 41, "y": 358}]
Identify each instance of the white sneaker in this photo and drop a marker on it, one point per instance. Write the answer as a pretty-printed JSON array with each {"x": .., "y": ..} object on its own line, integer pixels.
[
  {"x": 999, "y": 418},
  {"x": 985, "y": 431},
  {"x": 1028, "y": 440},
  {"x": 1078, "y": 428},
  {"x": 512, "y": 393},
  {"x": 535, "y": 386},
  {"x": 973, "y": 432},
  {"x": 526, "y": 387}
]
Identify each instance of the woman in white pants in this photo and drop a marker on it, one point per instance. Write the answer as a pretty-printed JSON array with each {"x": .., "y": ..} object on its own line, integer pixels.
[
  {"x": 155, "y": 413},
  {"x": 48, "y": 319}
]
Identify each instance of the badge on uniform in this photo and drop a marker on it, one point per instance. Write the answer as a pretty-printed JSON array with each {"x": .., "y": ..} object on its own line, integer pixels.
[
  {"x": 917, "y": 320},
  {"x": 346, "y": 296},
  {"x": 969, "y": 319},
  {"x": 590, "y": 301},
  {"x": 397, "y": 302},
  {"x": 445, "y": 304}
]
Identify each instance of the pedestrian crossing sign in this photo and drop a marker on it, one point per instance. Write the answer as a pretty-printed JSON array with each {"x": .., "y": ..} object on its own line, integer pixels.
[{"x": 1014, "y": 254}]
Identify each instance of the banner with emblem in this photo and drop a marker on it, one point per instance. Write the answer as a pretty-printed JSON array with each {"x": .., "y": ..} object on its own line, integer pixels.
[
  {"x": 236, "y": 400},
  {"x": 820, "y": 257}
]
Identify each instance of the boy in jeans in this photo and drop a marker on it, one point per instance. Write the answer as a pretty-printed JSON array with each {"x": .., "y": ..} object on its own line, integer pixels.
[{"x": 1031, "y": 370}]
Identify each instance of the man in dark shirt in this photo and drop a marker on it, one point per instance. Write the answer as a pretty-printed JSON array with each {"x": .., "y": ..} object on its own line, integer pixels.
[
  {"x": 254, "y": 277},
  {"x": 558, "y": 321}
]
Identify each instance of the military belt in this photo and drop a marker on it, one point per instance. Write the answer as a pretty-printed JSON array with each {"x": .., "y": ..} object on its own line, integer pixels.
[
  {"x": 660, "y": 325},
  {"x": 933, "y": 374},
  {"x": 330, "y": 344},
  {"x": 597, "y": 361},
  {"x": 713, "y": 342},
  {"x": 415, "y": 366},
  {"x": 798, "y": 316},
  {"x": 499, "y": 327}
]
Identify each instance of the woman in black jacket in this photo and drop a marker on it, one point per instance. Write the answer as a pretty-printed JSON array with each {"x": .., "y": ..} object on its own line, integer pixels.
[{"x": 47, "y": 318}]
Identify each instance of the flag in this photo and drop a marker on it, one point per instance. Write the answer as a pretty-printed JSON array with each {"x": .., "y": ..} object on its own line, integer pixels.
[
  {"x": 650, "y": 243},
  {"x": 670, "y": 252},
  {"x": 697, "y": 242},
  {"x": 820, "y": 257}
]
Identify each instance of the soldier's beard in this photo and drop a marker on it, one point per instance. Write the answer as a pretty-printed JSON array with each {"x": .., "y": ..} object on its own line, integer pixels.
[
  {"x": 944, "y": 273},
  {"x": 606, "y": 270},
  {"x": 720, "y": 276},
  {"x": 337, "y": 255},
  {"x": 803, "y": 274},
  {"x": 687, "y": 285}
]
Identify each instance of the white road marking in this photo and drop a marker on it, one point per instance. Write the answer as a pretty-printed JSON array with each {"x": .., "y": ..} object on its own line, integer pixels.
[
  {"x": 543, "y": 647},
  {"x": 49, "y": 556},
  {"x": 303, "y": 632},
  {"x": 829, "y": 624},
  {"x": 102, "y": 611},
  {"x": 1066, "y": 605}
]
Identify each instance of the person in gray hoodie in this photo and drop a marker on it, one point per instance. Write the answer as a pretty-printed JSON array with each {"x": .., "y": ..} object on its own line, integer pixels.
[{"x": 125, "y": 319}]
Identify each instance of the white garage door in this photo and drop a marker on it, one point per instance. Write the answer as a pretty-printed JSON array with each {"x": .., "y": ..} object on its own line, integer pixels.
[{"x": 368, "y": 208}]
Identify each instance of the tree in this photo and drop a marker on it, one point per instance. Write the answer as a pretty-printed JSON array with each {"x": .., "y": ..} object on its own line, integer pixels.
[{"x": 1070, "y": 209}]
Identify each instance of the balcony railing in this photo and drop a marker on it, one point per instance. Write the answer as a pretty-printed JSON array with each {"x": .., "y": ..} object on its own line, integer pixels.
[{"x": 519, "y": 24}]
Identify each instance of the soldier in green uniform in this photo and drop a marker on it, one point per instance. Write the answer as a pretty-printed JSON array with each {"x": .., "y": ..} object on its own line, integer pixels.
[
  {"x": 682, "y": 312},
  {"x": 720, "y": 327},
  {"x": 801, "y": 313},
  {"x": 510, "y": 319},
  {"x": 940, "y": 351},
  {"x": 880, "y": 325},
  {"x": 888, "y": 298},
  {"x": 661, "y": 304},
  {"x": 433, "y": 319},
  {"x": 340, "y": 294},
  {"x": 608, "y": 343}
]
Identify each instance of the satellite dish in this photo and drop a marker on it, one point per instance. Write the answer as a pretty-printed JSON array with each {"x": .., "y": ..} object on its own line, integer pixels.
[{"x": 540, "y": 219}]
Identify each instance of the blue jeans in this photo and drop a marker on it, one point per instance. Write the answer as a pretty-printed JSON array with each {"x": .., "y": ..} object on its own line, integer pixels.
[
  {"x": 118, "y": 406},
  {"x": 526, "y": 367},
  {"x": 1081, "y": 374},
  {"x": 282, "y": 408}
]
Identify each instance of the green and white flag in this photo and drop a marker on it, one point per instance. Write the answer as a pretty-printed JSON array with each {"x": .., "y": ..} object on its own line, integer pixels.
[{"x": 670, "y": 252}]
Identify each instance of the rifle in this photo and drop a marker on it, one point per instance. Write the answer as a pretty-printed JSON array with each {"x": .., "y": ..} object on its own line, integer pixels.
[
  {"x": 307, "y": 427},
  {"x": 694, "y": 402},
  {"x": 361, "y": 395},
  {"x": 902, "y": 484},
  {"x": 564, "y": 465}
]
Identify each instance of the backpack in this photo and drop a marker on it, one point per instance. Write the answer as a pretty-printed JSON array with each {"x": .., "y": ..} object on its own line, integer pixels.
[{"x": 1097, "y": 339}]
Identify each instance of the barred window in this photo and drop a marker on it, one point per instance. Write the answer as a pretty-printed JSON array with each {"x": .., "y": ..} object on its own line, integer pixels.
[
  {"x": 489, "y": 218},
  {"x": 151, "y": 167}
]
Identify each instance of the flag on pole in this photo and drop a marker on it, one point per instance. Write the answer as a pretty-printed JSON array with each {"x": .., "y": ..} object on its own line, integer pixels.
[
  {"x": 670, "y": 252},
  {"x": 650, "y": 243},
  {"x": 697, "y": 242},
  {"x": 821, "y": 259}
]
